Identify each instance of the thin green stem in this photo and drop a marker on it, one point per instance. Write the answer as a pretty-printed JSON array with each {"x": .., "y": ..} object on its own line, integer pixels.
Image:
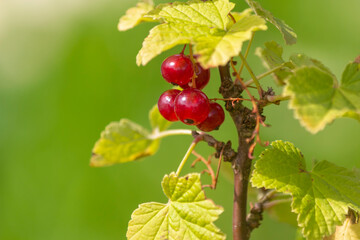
[
  {"x": 267, "y": 196},
  {"x": 251, "y": 74},
  {"x": 277, "y": 98},
  {"x": 271, "y": 204},
  {"x": 157, "y": 135},
  {"x": 246, "y": 53},
  {"x": 186, "y": 157},
  {"x": 251, "y": 81}
]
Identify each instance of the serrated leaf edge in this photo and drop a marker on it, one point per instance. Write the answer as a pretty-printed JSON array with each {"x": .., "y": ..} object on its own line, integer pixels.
[{"x": 292, "y": 106}]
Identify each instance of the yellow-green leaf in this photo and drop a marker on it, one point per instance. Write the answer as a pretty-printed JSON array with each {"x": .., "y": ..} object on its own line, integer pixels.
[
  {"x": 218, "y": 48},
  {"x": 204, "y": 24},
  {"x": 350, "y": 230},
  {"x": 318, "y": 99},
  {"x": 122, "y": 142},
  {"x": 321, "y": 196},
  {"x": 211, "y": 13},
  {"x": 271, "y": 56},
  {"x": 187, "y": 215},
  {"x": 135, "y": 15}
]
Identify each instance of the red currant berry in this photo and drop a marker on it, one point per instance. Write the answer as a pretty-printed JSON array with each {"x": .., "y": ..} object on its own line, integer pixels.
[
  {"x": 214, "y": 119},
  {"x": 177, "y": 69},
  {"x": 166, "y": 104},
  {"x": 202, "y": 79},
  {"x": 192, "y": 106}
]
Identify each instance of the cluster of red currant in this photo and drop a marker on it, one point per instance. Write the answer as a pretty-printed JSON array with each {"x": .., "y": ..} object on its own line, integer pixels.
[{"x": 191, "y": 106}]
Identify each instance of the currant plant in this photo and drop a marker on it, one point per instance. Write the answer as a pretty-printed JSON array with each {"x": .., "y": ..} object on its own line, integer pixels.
[{"x": 325, "y": 197}]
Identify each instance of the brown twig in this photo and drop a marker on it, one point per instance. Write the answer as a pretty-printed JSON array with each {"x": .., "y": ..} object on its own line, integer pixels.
[
  {"x": 222, "y": 149},
  {"x": 257, "y": 111},
  {"x": 267, "y": 201},
  {"x": 245, "y": 124},
  {"x": 230, "y": 99}
]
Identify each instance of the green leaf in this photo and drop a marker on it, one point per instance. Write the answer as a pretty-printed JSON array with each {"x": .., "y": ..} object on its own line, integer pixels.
[
  {"x": 134, "y": 16},
  {"x": 187, "y": 215},
  {"x": 288, "y": 33},
  {"x": 220, "y": 47},
  {"x": 271, "y": 57},
  {"x": 321, "y": 197},
  {"x": 158, "y": 122},
  {"x": 299, "y": 235},
  {"x": 212, "y": 13},
  {"x": 301, "y": 60},
  {"x": 161, "y": 38},
  {"x": 348, "y": 231},
  {"x": 238, "y": 16},
  {"x": 318, "y": 99},
  {"x": 122, "y": 142},
  {"x": 204, "y": 24}
]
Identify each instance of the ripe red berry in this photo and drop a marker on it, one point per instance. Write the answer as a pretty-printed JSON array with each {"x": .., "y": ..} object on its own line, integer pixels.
[
  {"x": 202, "y": 79},
  {"x": 214, "y": 119},
  {"x": 166, "y": 104},
  {"x": 177, "y": 69},
  {"x": 192, "y": 106}
]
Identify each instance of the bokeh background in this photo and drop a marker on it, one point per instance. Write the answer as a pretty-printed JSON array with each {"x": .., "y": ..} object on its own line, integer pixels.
[{"x": 66, "y": 72}]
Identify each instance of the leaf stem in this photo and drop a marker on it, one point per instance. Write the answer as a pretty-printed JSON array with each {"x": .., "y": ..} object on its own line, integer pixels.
[
  {"x": 251, "y": 81},
  {"x": 157, "y": 134},
  {"x": 188, "y": 154},
  {"x": 252, "y": 75},
  {"x": 277, "y": 98},
  {"x": 273, "y": 203},
  {"x": 246, "y": 52},
  {"x": 267, "y": 196}
]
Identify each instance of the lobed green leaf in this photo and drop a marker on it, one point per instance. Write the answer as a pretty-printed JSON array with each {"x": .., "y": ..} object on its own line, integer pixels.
[
  {"x": 122, "y": 142},
  {"x": 271, "y": 56},
  {"x": 212, "y": 13},
  {"x": 287, "y": 32},
  {"x": 301, "y": 60},
  {"x": 126, "y": 141},
  {"x": 318, "y": 99},
  {"x": 217, "y": 49},
  {"x": 348, "y": 231},
  {"x": 204, "y": 24},
  {"x": 187, "y": 215},
  {"x": 321, "y": 197},
  {"x": 134, "y": 16}
]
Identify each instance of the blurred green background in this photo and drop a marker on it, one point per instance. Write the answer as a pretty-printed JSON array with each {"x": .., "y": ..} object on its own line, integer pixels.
[{"x": 66, "y": 72}]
